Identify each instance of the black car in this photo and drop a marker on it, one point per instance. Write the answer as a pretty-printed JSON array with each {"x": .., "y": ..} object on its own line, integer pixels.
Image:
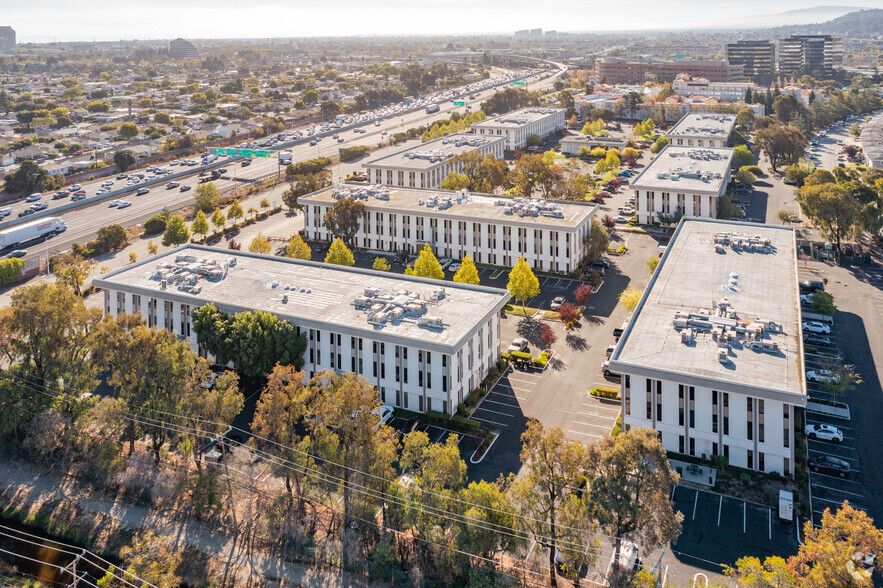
[
  {"x": 602, "y": 263},
  {"x": 825, "y": 464},
  {"x": 223, "y": 170},
  {"x": 184, "y": 188},
  {"x": 26, "y": 212},
  {"x": 246, "y": 163},
  {"x": 811, "y": 286}
]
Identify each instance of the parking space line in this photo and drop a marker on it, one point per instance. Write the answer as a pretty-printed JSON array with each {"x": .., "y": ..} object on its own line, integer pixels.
[
  {"x": 606, "y": 427},
  {"x": 500, "y": 403},
  {"x": 835, "y": 455},
  {"x": 771, "y": 524},
  {"x": 511, "y": 387},
  {"x": 838, "y": 477},
  {"x": 589, "y": 435},
  {"x": 695, "y": 502},
  {"x": 744, "y": 515},
  {"x": 489, "y": 421},
  {"x": 505, "y": 396},
  {"x": 838, "y": 490},
  {"x": 720, "y": 507},
  {"x": 506, "y": 414},
  {"x": 836, "y": 502},
  {"x": 820, "y": 422}
]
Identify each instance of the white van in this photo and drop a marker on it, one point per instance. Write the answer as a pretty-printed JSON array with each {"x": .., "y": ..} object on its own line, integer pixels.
[{"x": 660, "y": 251}]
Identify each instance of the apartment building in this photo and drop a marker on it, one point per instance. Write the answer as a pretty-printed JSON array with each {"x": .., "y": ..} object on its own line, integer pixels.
[
  {"x": 703, "y": 130},
  {"x": 426, "y": 165},
  {"x": 424, "y": 344},
  {"x": 757, "y": 58},
  {"x": 711, "y": 357},
  {"x": 495, "y": 230},
  {"x": 810, "y": 54},
  {"x": 689, "y": 180},
  {"x": 518, "y": 125}
]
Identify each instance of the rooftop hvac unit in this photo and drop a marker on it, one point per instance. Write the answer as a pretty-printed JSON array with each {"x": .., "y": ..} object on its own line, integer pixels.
[
  {"x": 430, "y": 321},
  {"x": 163, "y": 285},
  {"x": 507, "y": 210},
  {"x": 722, "y": 355},
  {"x": 371, "y": 292},
  {"x": 437, "y": 294},
  {"x": 687, "y": 336}
]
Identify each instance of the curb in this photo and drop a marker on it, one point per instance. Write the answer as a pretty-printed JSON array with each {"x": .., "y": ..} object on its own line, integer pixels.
[{"x": 486, "y": 451}]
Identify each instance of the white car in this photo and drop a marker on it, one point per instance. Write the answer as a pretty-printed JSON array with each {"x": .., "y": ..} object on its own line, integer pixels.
[
  {"x": 557, "y": 302},
  {"x": 519, "y": 344},
  {"x": 806, "y": 299},
  {"x": 445, "y": 262},
  {"x": 824, "y": 376},
  {"x": 816, "y": 327},
  {"x": 124, "y": 204},
  {"x": 385, "y": 412},
  {"x": 824, "y": 432},
  {"x": 622, "y": 219},
  {"x": 34, "y": 197},
  {"x": 454, "y": 266},
  {"x": 114, "y": 203}
]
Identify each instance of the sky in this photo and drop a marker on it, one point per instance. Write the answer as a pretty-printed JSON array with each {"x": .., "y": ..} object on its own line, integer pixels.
[{"x": 112, "y": 20}]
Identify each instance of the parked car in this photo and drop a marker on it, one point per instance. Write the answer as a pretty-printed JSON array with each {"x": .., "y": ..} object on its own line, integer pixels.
[
  {"x": 519, "y": 344},
  {"x": 601, "y": 263},
  {"x": 605, "y": 368},
  {"x": 454, "y": 266},
  {"x": 824, "y": 376},
  {"x": 826, "y": 464},
  {"x": 385, "y": 412},
  {"x": 810, "y": 286},
  {"x": 18, "y": 253},
  {"x": 817, "y": 328},
  {"x": 824, "y": 433},
  {"x": 557, "y": 302},
  {"x": 621, "y": 220},
  {"x": 813, "y": 339}
]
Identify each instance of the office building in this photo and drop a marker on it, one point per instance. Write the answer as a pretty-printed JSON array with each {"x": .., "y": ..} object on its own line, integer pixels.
[
  {"x": 616, "y": 70},
  {"x": 182, "y": 49},
  {"x": 424, "y": 344},
  {"x": 426, "y": 165},
  {"x": 517, "y": 126},
  {"x": 703, "y": 130},
  {"x": 815, "y": 55},
  {"x": 571, "y": 143},
  {"x": 871, "y": 141},
  {"x": 688, "y": 86},
  {"x": 757, "y": 58},
  {"x": 689, "y": 180},
  {"x": 712, "y": 356},
  {"x": 7, "y": 39},
  {"x": 712, "y": 70},
  {"x": 495, "y": 230}
]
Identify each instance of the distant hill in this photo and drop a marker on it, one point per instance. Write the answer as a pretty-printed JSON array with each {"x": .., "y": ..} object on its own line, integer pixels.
[
  {"x": 803, "y": 16},
  {"x": 854, "y": 24}
]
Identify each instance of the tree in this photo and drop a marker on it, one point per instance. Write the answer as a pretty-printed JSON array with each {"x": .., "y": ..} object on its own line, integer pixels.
[
  {"x": 548, "y": 335},
  {"x": 468, "y": 273},
  {"x": 339, "y": 254},
  {"x": 823, "y": 303},
  {"x": 10, "y": 270},
  {"x": 833, "y": 210},
  {"x": 207, "y": 197},
  {"x": 344, "y": 219},
  {"x": 597, "y": 240},
  {"x": 843, "y": 378},
  {"x": 426, "y": 265},
  {"x": 826, "y": 557},
  {"x": 568, "y": 313},
  {"x": 582, "y": 294},
  {"x": 151, "y": 247},
  {"x": 235, "y": 211},
  {"x": 652, "y": 263},
  {"x": 742, "y": 156},
  {"x": 784, "y": 216},
  {"x": 218, "y": 219},
  {"x": 381, "y": 264},
  {"x": 162, "y": 118},
  {"x": 70, "y": 270},
  {"x": 523, "y": 284},
  {"x": 552, "y": 466},
  {"x": 124, "y": 159},
  {"x": 781, "y": 143},
  {"x": 855, "y": 130},
  {"x": 796, "y": 175},
  {"x": 152, "y": 559},
  {"x": 744, "y": 176},
  {"x": 128, "y": 130},
  {"x": 30, "y": 178},
  {"x": 303, "y": 184},
  {"x": 455, "y": 181},
  {"x": 200, "y": 226},
  {"x": 785, "y": 107},
  {"x": 750, "y": 572},
  {"x": 630, "y": 297},
  {"x": 630, "y": 487},
  {"x": 297, "y": 249},
  {"x": 260, "y": 244},
  {"x": 176, "y": 232},
  {"x": 110, "y": 238},
  {"x": 660, "y": 144}
]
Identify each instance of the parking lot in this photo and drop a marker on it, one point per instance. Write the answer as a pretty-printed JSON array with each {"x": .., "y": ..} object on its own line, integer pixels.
[{"x": 749, "y": 529}]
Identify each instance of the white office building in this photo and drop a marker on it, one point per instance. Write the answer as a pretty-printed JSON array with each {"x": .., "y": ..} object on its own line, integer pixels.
[
  {"x": 712, "y": 356},
  {"x": 518, "y": 125},
  {"x": 689, "y": 180},
  {"x": 495, "y": 230},
  {"x": 426, "y": 165},
  {"x": 703, "y": 130},
  {"x": 723, "y": 91},
  {"x": 424, "y": 344}
]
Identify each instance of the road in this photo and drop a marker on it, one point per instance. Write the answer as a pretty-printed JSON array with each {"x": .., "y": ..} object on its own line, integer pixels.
[{"x": 85, "y": 220}]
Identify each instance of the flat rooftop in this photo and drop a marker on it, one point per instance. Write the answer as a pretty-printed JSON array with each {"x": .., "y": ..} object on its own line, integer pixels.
[
  {"x": 687, "y": 169},
  {"x": 307, "y": 293},
  {"x": 713, "y": 126},
  {"x": 517, "y": 118},
  {"x": 435, "y": 152},
  {"x": 872, "y": 139},
  {"x": 719, "y": 279},
  {"x": 470, "y": 206}
]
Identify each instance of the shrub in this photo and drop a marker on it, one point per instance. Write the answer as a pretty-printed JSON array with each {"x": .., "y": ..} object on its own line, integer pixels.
[
  {"x": 502, "y": 363},
  {"x": 521, "y": 355},
  {"x": 505, "y": 356},
  {"x": 155, "y": 225},
  {"x": 617, "y": 428},
  {"x": 542, "y": 360},
  {"x": 605, "y": 392},
  {"x": 354, "y": 152},
  {"x": 10, "y": 270},
  {"x": 719, "y": 461},
  {"x": 754, "y": 169}
]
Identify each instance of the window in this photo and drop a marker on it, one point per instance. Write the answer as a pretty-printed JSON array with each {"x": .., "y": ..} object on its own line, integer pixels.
[
  {"x": 750, "y": 459},
  {"x": 786, "y": 425},
  {"x": 692, "y": 407},
  {"x": 714, "y": 413},
  {"x": 680, "y": 444},
  {"x": 692, "y": 446},
  {"x": 628, "y": 401},
  {"x": 786, "y": 466},
  {"x": 760, "y": 461},
  {"x": 681, "y": 405},
  {"x": 760, "y": 424},
  {"x": 649, "y": 399},
  {"x": 714, "y": 449},
  {"x": 750, "y": 413},
  {"x": 727, "y": 451},
  {"x": 658, "y": 406},
  {"x": 726, "y": 414}
]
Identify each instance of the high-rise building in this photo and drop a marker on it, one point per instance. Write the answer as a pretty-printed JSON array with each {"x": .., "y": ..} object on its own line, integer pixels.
[
  {"x": 7, "y": 38},
  {"x": 183, "y": 49},
  {"x": 810, "y": 54},
  {"x": 757, "y": 58}
]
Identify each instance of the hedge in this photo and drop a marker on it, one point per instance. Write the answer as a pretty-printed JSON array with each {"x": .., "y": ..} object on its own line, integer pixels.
[
  {"x": 618, "y": 251},
  {"x": 10, "y": 270},
  {"x": 605, "y": 392},
  {"x": 542, "y": 360},
  {"x": 354, "y": 152},
  {"x": 522, "y": 355}
]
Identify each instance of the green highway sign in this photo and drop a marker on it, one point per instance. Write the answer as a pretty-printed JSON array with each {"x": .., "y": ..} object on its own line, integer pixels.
[
  {"x": 459, "y": 103},
  {"x": 517, "y": 83},
  {"x": 242, "y": 152}
]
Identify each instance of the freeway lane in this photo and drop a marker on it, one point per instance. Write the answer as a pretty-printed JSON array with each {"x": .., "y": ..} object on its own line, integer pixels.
[{"x": 84, "y": 221}]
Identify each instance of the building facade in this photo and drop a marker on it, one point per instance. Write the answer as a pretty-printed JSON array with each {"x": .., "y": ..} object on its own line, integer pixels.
[
  {"x": 7, "y": 39},
  {"x": 491, "y": 229},
  {"x": 614, "y": 70},
  {"x": 517, "y": 126},
  {"x": 424, "y": 344},
  {"x": 703, "y": 130},
  {"x": 686, "y": 85},
  {"x": 711, "y": 358},
  {"x": 810, "y": 54},
  {"x": 682, "y": 180},
  {"x": 427, "y": 165},
  {"x": 757, "y": 58},
  {"x": 182, "y": 49},
  {"x": 713, "y": 70}
]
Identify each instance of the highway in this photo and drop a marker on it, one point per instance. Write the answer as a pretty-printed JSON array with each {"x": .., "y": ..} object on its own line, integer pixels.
[{"x": 84, "y": 220}]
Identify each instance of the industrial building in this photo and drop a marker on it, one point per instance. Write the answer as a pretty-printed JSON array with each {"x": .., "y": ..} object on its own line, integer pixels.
[
  {"x": 703, "y": 130},
  {"x": 426, "y": 165},
  {"x": 517, "y": 126},
  {"x": 495, "y": 230},
  {"x": 712, "y": 356},
  {"x": 424, "y": 344},
  {"x": 687, "y": 180}
]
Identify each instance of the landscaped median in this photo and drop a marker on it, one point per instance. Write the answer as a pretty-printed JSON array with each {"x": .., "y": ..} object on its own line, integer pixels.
[
  {"x": 520, "y": 310},
  {"x": 540, "y": 362},
  {"x": 605, "y": 392}
]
